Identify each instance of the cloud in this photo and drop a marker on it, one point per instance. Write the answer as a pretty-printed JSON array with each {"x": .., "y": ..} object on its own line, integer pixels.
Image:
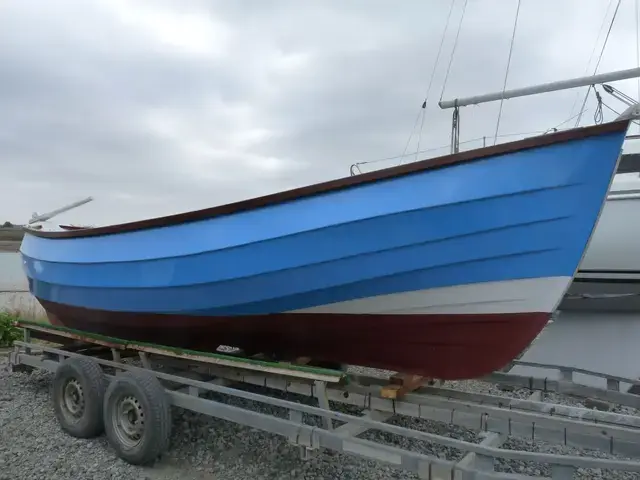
[{"x": 159, "y": 107}]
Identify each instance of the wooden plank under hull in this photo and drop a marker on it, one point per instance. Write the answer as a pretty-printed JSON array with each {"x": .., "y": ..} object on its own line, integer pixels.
[{"x": 291, "y": 370}]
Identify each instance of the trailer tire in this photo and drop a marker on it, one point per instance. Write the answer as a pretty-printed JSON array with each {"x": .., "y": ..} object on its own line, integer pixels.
[
  {"x": 137, "y": 417},
  {"x": 78, "y": 392}
]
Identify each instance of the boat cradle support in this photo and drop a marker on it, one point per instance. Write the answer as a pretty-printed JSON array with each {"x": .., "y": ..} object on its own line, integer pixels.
[{"x": 187, "y": 380}]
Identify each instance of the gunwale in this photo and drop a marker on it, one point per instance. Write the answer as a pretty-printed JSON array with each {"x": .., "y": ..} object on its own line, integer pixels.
[{"x": 340, "y": 183}]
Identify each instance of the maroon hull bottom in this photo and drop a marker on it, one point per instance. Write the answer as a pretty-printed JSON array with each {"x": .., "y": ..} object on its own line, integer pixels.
[{"x": 448, "y": 347}]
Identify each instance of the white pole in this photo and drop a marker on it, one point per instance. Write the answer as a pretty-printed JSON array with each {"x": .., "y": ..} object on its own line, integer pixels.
[
  {"x": 46, "y": 216},
  {"x": 543, "y": 88}
]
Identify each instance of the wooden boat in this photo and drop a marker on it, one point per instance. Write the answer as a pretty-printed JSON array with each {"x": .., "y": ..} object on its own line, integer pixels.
[{"x": 446, "y": 268}]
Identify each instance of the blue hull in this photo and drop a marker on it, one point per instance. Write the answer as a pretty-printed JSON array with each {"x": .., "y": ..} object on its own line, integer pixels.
[{"x": 525, "y": 214}]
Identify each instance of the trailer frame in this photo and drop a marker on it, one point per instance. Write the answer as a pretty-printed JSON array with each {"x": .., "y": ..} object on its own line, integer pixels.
[{"x": 188, "y": 377}]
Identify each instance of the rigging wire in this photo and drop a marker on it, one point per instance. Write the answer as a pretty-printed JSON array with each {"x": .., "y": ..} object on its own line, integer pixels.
[
  {"x": 504, "y": 135},
  {"x": 593, "y": 52},
  {"x": 606, "y": 39},
  {"x": 555, "y": 129},
  {"x": 356, "y": 165},
  {"x": 422, "y": 112},
  {"x": 406, "y": 146},
  {"x": 598, "y": 116},
  {"x": 614, "y": 111},
  {"x": 506, "y": 73},
  {"x": 433, "y": 72},
  {"x": 453, "y": 51},
  {"x": 604, "y": 45}
]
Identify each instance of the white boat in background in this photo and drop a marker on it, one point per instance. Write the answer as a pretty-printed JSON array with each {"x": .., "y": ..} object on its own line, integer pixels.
[
  {"x": 609, "y": 276},
  {"x": 598, "y": 322}
]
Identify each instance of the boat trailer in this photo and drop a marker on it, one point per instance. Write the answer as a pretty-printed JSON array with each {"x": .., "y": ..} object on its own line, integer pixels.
[{"x": 108, "y": 384}]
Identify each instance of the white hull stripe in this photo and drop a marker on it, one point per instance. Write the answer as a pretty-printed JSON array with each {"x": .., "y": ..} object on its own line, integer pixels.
[{"x": 511, "y": 296}]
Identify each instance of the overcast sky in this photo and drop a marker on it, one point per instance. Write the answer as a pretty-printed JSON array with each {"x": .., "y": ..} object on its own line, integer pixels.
[{"x": 156, "y": 107}]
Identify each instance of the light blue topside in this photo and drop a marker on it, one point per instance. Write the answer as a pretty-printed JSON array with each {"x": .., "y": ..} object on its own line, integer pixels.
[{"x": 520, "y": 215}]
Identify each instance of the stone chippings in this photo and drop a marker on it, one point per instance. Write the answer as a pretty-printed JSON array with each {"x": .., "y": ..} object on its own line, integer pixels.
[{"x": 33, "y": 447}]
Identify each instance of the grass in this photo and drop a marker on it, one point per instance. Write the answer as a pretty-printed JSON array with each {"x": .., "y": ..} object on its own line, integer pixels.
[{"x": 9, "y": 333}]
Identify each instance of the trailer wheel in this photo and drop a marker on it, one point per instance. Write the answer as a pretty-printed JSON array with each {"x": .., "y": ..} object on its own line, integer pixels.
[
  {"x": 78, "y": 392},
  {"x": 137, "y": 417}
]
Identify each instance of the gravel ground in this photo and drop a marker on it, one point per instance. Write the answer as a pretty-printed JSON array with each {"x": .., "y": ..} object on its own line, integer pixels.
[{"x": 33, "y": 447}]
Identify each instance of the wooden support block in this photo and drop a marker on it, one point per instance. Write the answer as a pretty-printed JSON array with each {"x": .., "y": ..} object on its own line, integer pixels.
[{"x": 401, "y": 384}]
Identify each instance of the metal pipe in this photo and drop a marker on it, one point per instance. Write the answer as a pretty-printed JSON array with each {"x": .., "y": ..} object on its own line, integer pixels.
[
  {"x": 542, "y": 88},
  {"x": 46, "y": 216}
]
